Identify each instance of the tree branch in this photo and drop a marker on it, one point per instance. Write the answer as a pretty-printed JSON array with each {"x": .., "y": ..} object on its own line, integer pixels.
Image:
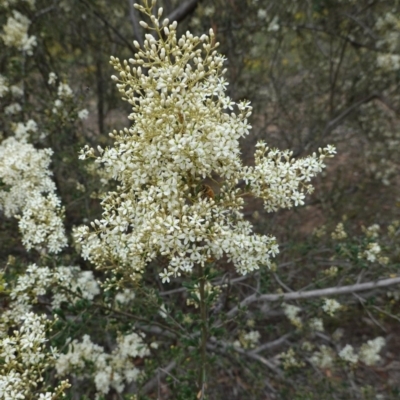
[
  {"x": 332, "y": 291},
  {"x": 183, "y": 10},
  {"x": 106, "y": 23},
  {"x": 332, "y": 124}
]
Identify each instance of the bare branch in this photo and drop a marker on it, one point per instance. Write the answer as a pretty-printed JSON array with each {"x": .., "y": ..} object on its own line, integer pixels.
[
  {"x": 287, "y": 288},
  {"x": 332, "y": 291},
  {"x": 332, "y": 124},
  {"x": 160, "y": 374},
  {"x": 183, "y": 10},
  {"x": 270, "y": 345},
  {"x": 365, "y": 27},
  {"x": 106, "y": 23},
  {"x": 223, "y": 347}
]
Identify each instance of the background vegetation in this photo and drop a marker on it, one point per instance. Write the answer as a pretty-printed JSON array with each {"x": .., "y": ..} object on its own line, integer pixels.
[{"x": 316, "y": 72}]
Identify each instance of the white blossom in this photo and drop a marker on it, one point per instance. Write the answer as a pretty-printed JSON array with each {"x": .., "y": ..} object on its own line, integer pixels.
[
  {"x": 323, "y": 358},
  {"x": 330, "y": 306},
  {"x": 16, "y": 91},
  {"x": 25, "y": 359},
  {"x": 64, "y": 91},
  {"x": 261, "y": 13},
  {"x": 369, "y": 352},
  {"x": 184, "y": 130},
  {"x": 52, "y": 78},
  {"x": 12, "y": 109},
  {"x": 110, "y": 370},
  {"x": 316, "y": 324},
  {"x": 30, "y": 193},
  {"x": 22, "y": 130},
  {"x": 371, "y": 252},
  {"x": 83, "y": 114},
  {"x": 15, "y": 33},
  {"x": 125, "y": 296},
  {"x": 292, "y": 313},
  {"x": 348, "y": 354}
]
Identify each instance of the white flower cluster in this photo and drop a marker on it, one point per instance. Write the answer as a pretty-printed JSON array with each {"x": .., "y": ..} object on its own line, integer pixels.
[
  {"x": 41, "y": 222},
  {"x": 388, "y": 62},
  {"x": 88, "y": 360},
  {"x": 16, "y": 91},
  {"x": 15, "y": 33},
  {"x": 348, "y": 354},
  {"x": 368, "y": 354},
  {"x": 372, "y": 231},
  {"x": 184, "y": 131},
  {"x": 371, "y": 252},
  {"x": 64, "y": 282},
  {"x": 316, "y": 324},
  {"x": 291, "y": 313},
  {"x": 280, "y": 180},
  {"x": 339, "y": 233},
  {"x": 31, "y": 193},
  {"x": 22, "y": 130},
  {"x": 125, "y": 296},
  {"x": 64, "y": 93},
  {"x": 248, "y": 340},
  {"x": 289, "y": 360},
  {"x": 330, "y": 306},
  {"x": 83, "y": 114},
  {"x": 23, "y": 360},
  {"x": 323, "y": 358},
  {"x": 52, "y": 78},
  {"x": 369, "y": 351},
  {"x": 13, "y": 108}
]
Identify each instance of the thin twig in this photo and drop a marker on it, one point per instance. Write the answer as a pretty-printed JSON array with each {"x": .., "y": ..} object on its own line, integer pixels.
[
  {"x": 161, "y": 373},
  {"x": 106, "y": 23},
  {"x": 270, "y": 345},
  {"x": 226, "y": 346}
]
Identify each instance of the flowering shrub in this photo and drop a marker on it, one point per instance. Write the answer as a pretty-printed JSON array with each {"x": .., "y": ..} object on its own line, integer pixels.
[
  {"x": 183, "y": 134},
  {"x": 166, "y": 288}
]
